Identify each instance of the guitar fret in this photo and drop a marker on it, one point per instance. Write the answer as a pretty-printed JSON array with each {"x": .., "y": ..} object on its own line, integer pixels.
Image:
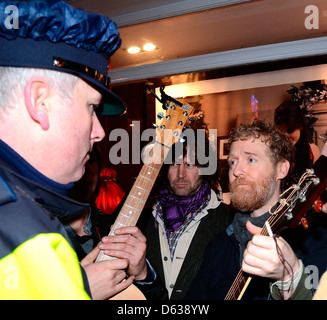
[
  {"x": 132, "y": 207},
  {"x": 144, "y": 181},
  {"x": 139, "y": 194},
  {"x": 155, "y": 156},
  {"x": 151, "y": 167},
  {"x": 116, "y": 222},
  {"x": 137, "y": 198},
  {"x": 135, "y": 201},
  {"x": 124, "y": 215},
  {"x": 237, "y": 289},
  {"x": 161, "y": 144},
  {"x": 142, "y": 188},
  {"x": 146, "y": 178}
]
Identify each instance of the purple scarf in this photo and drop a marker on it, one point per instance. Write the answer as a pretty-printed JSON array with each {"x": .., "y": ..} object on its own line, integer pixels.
[{"x": 176, "y": 208}]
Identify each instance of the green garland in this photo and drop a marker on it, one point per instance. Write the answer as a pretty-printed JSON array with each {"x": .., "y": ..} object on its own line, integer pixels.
[{"x": 306, "y": 97}]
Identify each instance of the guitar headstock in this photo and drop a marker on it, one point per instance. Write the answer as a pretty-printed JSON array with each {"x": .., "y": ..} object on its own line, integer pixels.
[
  {"x": 296, "y": 201},
  {"x": 174, "y": 118},
  {"x": 173, "y": 121}
]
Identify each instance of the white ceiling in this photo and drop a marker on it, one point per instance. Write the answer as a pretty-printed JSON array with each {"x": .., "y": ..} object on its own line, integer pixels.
[{"x": 195, "y": 28}]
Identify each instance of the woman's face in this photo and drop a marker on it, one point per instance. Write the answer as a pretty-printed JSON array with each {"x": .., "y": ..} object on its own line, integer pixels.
[{"x": 294, "y": 134}]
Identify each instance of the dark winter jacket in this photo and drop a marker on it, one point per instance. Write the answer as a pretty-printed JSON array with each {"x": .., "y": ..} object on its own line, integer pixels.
[{"x": 37, "y": 260}]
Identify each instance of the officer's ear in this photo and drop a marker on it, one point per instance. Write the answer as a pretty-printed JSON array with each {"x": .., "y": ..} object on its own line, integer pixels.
[{"x": 36, "y": 96}]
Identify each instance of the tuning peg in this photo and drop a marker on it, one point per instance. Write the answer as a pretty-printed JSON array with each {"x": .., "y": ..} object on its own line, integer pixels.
[
  {"x": 316, "y": 181},
  {"x": 191, "y": 119},
  {"x": 155, "y": 125},
  {"x": 305, "y": 223},
  {"x": 318, "y": 206},
  {"x": 165, "y": 105},
  {"x": 160, "y": 115}
]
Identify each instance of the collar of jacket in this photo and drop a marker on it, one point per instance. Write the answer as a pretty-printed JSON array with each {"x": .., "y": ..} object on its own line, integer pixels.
[{"x": 58, "y": 205}]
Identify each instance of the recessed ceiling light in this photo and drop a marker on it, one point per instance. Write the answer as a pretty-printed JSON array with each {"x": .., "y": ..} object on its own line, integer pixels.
[
  {"x": 133, "y": 50},
  {"x": 149, "y": 46}
]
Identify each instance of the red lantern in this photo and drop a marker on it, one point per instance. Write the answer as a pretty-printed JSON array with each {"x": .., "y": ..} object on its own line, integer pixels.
[{"x": 110, "y": 194}]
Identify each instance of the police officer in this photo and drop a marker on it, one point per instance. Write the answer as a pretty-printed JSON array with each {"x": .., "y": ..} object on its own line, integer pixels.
[{"x": 53, "y": 82}]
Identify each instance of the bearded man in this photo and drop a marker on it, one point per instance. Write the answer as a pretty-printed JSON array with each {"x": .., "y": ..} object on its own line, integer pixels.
[{"x": 259, "y": 161}]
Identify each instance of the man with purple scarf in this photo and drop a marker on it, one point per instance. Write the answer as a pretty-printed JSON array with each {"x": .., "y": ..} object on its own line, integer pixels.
[{"x": 185, "y": 213}]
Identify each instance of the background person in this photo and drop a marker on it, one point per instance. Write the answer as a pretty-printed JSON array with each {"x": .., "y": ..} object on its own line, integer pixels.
[
  {"x": 290, "y": 119},
  {"x": 184, "y": 213},
  {"x": 259, "y": 160}
]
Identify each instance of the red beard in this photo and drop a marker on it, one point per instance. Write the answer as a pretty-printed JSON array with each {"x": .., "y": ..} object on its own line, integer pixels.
[{"x": 249, "y": 195}]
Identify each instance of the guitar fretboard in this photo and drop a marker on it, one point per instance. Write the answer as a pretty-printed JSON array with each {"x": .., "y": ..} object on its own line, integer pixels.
[{"x": 136, "y": 199}]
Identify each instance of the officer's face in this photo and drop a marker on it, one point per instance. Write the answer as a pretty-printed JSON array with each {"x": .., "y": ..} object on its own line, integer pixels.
[{"x": 78, "y": 128}]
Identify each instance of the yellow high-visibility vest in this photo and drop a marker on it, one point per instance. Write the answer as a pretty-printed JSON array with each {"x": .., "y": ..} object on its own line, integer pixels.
[{"x": 43, "y": 267}]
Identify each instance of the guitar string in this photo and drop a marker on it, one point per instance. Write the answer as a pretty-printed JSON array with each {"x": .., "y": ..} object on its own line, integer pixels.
[
  {"x": 284, "y": 262},
  {"x": 277, "y": 218},
  {"x": 242, "y": 279}
]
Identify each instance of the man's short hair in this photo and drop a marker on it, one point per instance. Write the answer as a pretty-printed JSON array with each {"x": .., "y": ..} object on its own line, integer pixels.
[{"x": 14, "y": 79}]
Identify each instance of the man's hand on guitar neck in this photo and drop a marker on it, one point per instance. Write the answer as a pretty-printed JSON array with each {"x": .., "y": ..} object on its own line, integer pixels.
[
  {"x": 128, "y": 243},
  {"x": 261, "y": 258},
  {"x": 105, "y": 277}
]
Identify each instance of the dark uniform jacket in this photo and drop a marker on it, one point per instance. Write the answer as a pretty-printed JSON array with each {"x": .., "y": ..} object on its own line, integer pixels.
[{"x": 36, "y": 257}]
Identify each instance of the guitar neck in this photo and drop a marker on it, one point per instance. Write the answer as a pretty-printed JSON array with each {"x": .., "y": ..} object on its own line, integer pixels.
[
  {"x": 135, "y": 201},
  {"x": 239, "y": 286},
  {"x": 137, "y": 197}
]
